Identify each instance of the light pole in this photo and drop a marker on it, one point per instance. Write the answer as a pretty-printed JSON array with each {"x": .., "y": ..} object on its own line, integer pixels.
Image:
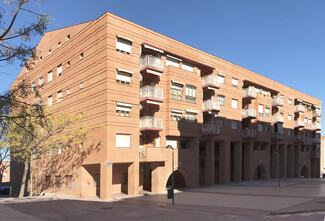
[
  {"x": 171, "y": 147},
  {"x": 31, "y": 175},
  {"x": 278, "y": 166}
]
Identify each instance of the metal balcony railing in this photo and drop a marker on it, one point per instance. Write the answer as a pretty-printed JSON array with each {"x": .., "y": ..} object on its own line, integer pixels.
[
  {"x": 210, "y": 80},
  {"x": 151, "y": 92},
  {"x": 277, "y": 118},
  {"x": 150, "y": 61},
  {"x": 299, "y": 108},
  {"x": 151, "y": 123},
  {"x": 299, "y": 138},
  {"x": 248, "y": 133},
  {"x": 210, "y": 104},
  {"x": 210, "y": 129},
  {"x": 248, "y": 113},
  {"x": 277, "y": 101},
  {"x": 249, "y": 92},
  {"x": 299, "y": 123}
]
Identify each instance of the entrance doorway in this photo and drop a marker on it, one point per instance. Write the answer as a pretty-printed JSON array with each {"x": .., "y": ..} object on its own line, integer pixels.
[
  {"x": 259, "y": 173},
  {"x": 179, "y": 180}
]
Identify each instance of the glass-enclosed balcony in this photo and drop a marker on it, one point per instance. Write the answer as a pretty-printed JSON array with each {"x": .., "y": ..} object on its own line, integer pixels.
[
  {"x": 299, "y": 108},
  {"x": 151, "y": 93},
  {"x": 277, "y": 118},
  {"x": 210, "y": 129},
  {"x": 317, "y": 113},
  {"x": 316, "y": 126},
  {"x": 150, "y": 123},
  {"x": 248, "y": 113},
  {"x": 299, "y": 138},
  {"x": 210, "y": 105},
  {"x": 248, "y": 133},
  {"x": 299, "y": 123},
  {"x": 151, "y": 62},
  {"x": 277, "y": 101},
  {"x": 210, "y": 82},
  {"x": 277, "y": 136},
  {"x": 249, "y": 93}
]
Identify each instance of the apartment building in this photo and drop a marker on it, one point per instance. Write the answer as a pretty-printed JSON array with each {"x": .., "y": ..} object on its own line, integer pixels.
[{"x": 148, "y": 91}]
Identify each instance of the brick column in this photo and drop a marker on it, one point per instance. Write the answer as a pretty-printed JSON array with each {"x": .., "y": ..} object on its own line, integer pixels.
[
  {"x": 133, "y": 179},
  {"x": 248, "y": 160},
  {"x": 238, "y": 161},
  {"x": 283, "y": 160},
  {"x": 290, "y": 161},
  {"x": 224, "y": 159},
  {"x": 106, "y": 176},
  {"x": 209, "y": 162}
]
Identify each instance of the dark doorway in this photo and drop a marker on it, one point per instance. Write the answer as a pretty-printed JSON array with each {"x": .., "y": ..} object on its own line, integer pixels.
[
  {"x": 179, "y": 181},
  {"x": 304, "y": 172},
  {"x": 259, "y": 173}
]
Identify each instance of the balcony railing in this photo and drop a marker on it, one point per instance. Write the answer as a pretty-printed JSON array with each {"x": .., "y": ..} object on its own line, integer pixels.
[
  {"x": 277, "y": 119},
  {"x": 151, "y": 92},
  {"x": 317, "y": 113},
  {"x": 150, "y": 61},
  {"x": 277, "y": 101},
  {"x": 248, "y": 133},
  {"x": 299, "y": 138},
  {"x": 151, "y": 123},
  {"x": 210, "y": 129},
  {"x": 210, "y": 105},
  {"x": 316, "y": 140},
  {"x": 248, "y": 113},
  {"x": 299, "y": 123},
  {"x": 299, "y": 108},
  {"x": 142, "y": 152},
  {"x": 249, "y": 92},
  {"x": 277, "y": 136},
  {"x": 316, "y": 126},
  {"x": 210, "y": 81},
  {"x": 190, "y": 99}
]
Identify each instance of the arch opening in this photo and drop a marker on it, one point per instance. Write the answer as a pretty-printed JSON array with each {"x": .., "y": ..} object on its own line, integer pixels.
[
  {"x": 259, "y": 173},
  {"x": 179, "y": 180}
]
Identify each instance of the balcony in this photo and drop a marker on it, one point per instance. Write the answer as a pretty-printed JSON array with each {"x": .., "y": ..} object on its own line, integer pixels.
[
  {"x": 151, "y": 65},
  {"x": 316, "y": 126},
  {"x": 210, "y": 105},
  {"x": 248, "y": 133},
  {"x": 277, "y": 102},
  {"x": 210, "y": 129},
  {"x": 299, "y": 123},
  {"x": 299, "y": 108},
  {"x": 249, "y": 93},
  {"x": 210, "y": 82},
  {"x": 151, "y": 95},
  {"x": 299, "y": 138},
  {"x": 277, "y": 136},
  {"x": 316, "y": 140},
  {"x": 248, "y": 113},
  {"x": 317, "y": 113},
  {"x": 277, "y": 119},
  {"x": 150, "y": 123}
]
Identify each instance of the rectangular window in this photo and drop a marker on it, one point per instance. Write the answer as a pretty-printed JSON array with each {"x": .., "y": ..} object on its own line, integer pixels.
[
  {"x": 33, "y": 86},
  {"x": 172, "y": 61},
  {"x": 68, "y": 181},
  {"x": 234, "y": 125},
  {"x": 190, "y": 115},
  {"x": 59, "y": 149},
  {"x": 221, "y": 78},
  {"x": 59, "y": 96},
  {"x": 176, "y": 115},
  {"x": 40, "y": 81},
  {"x": 81, "y": 55},
  {"x": 123, "y": 77},
  {"x": 123, "y": 140},
  {"x": 289, "y": 132},
  {"x": 123, "y": 109},
  {"x": 123, "y": 44},
  {"x": 234, "y": 82},
  {"x": 68, "y": 64},
  {"x": 221, "y": 100},
  {"x": 190, "y": 94},
  {"x": 289, "y": 101},
  {"x": 50, "y": 51},
  {"x": 260, "y": 127},
  {"x": 176, "y": 91},
  {"x": 289, "y": 116},
  {"x": 58, "y": 182},
  {"x": 59, "y": 44},
  {"x": 49, "y": 76},
  {"x": 81, "y": 85},
  {"x": 267, "y": 112},
  {"x": 260, "y": 110},
  {"x": 59, "y": 70},
  {"x": 68, "y": 91},
  {"x": 187, "y": 67},
  {"x": 172, "y": 143},
  {"x": 234, "y": 103},
  {"x": 49, "y": 100}
]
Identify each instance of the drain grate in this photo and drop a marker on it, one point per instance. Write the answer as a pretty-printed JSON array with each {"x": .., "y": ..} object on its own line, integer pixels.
[{"x": 107, "y": 208}]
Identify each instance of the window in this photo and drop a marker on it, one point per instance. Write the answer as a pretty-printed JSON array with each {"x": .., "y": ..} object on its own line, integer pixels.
[
  {"x": 289, "y": 132},
  {"x": 234, "y": 125},
  {"x": 81, "y": 85},
  {"x": 49, "y": 151},
  {"x": 40, "y": 81},
  {"x": 176, "y": 90},
  {"x": 123, "y": 44},
  {"x": 59, "y": 44},
  {"x": 305, "y": 120},
  {"x": 49, "y": 76},
  {"x": 59, "y": 98},
  {"x": 172, "y": 61},
  {"x": 172, "y": 143},
  {"x": 221, "y": 121},
  {"x": 68, "y": 181},
  {"x": 68, "y": 37},
  {"x": 260, "y": 127},
  {"x": 33, "y": 86},
  {"x": 59, "y": 70},
  {"x": 47, "y": 181},
  {"x": 264, "y": 92},
  {"x": 289, "y": 101},
  {"x": 190, "y": 115},
  {"x": 123, "y": 140},
  {"x": 68, "y": 91},
  {"x": 221, "y": 100},
  {"x": 50, "y": 52},
  {"x": 123, "y": 77},
  {"x": 68, "y": 64},
  {"x": 190, "y": 94},
  {"x": 221, "y": 78},
  {"x": 58, "y": 182},
  {"x": 123, "y": 109},
  {"x": 234, "y": 82},
  {"x": 41, "y": 58},
  {"x": 234, "y": 103},
  {"x": 289, "y": 116},
  {"x": 260, "y": 110},
  {"x": 267, "y": 112},
  {"x": 59, "y": 149},
  {"x": 187, "y": 67},
  {"x": 49, "y": 100},
  {"x": 5, "y": 175},
  {"x": 176, "y": 115},
  {"x": 82, "y": 55}
]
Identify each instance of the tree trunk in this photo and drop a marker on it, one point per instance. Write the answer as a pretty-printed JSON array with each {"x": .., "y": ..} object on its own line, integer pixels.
[{"x": 23, "y": 180}]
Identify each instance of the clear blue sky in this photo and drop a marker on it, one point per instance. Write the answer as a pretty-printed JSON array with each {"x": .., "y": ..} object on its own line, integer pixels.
[{"x": 280, "y": 39}]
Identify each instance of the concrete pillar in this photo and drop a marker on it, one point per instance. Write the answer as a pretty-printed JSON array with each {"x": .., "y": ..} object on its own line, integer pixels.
[
  {"x": 274, "y": 160},
  {"x": 238, "y": 161},
  {"x": 268, "y": 163},
  {"x": 209, "y": 162},
  {"x": 133, "y": 179},
  {"x": 296, "y": 160},
  {"x": 106, "y": 176},
  {"x": 283, "y": 160},
  {"x": 290, "y": 161},
  {"x": 224, "y": 159},
  {"x": 196, "y": 165},
  {"x": 248, "y": 160}
]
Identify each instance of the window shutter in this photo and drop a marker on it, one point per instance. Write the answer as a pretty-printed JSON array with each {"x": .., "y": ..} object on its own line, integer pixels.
[{"x": 123, "y": 140}]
